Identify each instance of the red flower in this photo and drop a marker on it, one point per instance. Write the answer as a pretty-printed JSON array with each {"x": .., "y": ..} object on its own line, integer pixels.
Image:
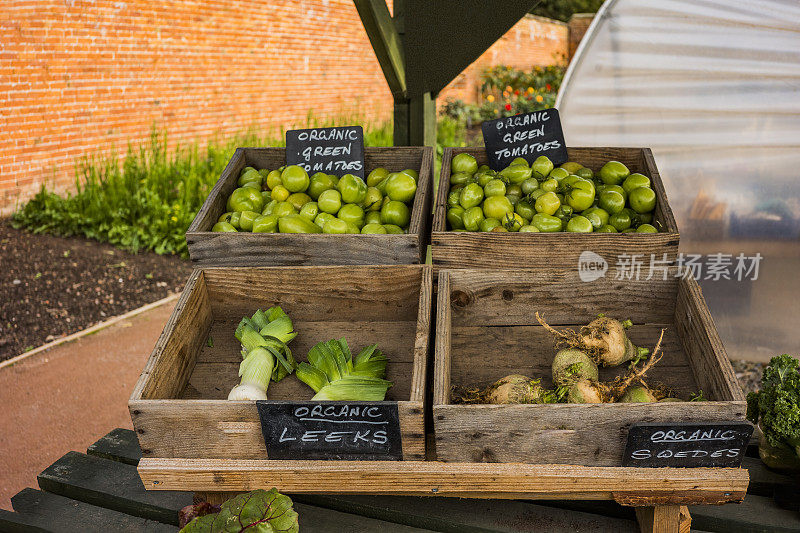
[
  {"x": 508, "y": 107},
  {"x": 516, "y": 92},
  {"x": 549, "y": 87}
]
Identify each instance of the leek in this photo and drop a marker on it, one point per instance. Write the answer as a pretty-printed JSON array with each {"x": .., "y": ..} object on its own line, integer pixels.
[
  {"x": 265, "y": 354},
  {"x": 333, "y": 373}
]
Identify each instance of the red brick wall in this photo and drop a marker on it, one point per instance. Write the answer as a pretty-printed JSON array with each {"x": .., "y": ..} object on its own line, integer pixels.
[
  {"x": 80, "y": 77},
  {"x": 578, "y": 24}
]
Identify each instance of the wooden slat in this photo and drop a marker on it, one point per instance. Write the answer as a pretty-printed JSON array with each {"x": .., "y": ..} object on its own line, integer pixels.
[
  {"x": 170, "y": 364},
  {"x": 638, "y": 486},
  {"x": 755, "y": 513},
  {"x": 589, "y": 434},
  {"x": 422, "y": 336},
  {"x": 512, "y": 297},
  {"x": 118, "y": 445},
  {"x": 17, "y": 523},
  {"x": 207, "y": 248},
  {"x": 712, "y": 368},
  {"x": 471, "y": 515},
  {"x": 58, "y": 514},
  {"x": 112, "y": 485},
  {"x": 224, "y": 429},
  {"x": 663, "y": 212},
  {"x": 659, "y": 519},
  {"x": 312, "y": 518},
  {"x": 441, "y": 372}
]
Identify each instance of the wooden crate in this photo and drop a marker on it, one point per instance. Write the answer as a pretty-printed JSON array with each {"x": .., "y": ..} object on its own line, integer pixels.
[
  {"x": 179, "y": 406},
  {"x": 208, "y": 248},
  {"x": 552, "y": 250},
  {"x": 486, "y": 329}
]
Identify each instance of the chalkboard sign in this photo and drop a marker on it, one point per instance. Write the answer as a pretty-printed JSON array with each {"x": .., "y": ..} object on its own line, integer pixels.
[
  {"x": 331, "y": 430},
  {"x": 528, "y": 136},
  {"x": 335, "y": 151},
  {"x": 686, "y": 444}
]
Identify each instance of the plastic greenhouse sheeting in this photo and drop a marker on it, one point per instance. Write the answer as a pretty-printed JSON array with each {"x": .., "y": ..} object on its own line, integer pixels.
[{"x": 713, "y": 87}]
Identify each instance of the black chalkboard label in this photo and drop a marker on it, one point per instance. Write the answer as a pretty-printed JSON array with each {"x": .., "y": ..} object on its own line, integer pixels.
[
  {"x": 528, "y": 136},
  {"x": 331, "y": 430},
  {"x": 337, "y": 151},
  {"x": 687, "y": 445}
]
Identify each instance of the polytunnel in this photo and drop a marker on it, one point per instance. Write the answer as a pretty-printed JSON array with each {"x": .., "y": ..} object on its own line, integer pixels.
[{"x": 713, "y": 88}]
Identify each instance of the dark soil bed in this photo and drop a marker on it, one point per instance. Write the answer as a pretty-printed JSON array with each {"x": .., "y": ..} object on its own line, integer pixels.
[{"x": 53, "y": 286}]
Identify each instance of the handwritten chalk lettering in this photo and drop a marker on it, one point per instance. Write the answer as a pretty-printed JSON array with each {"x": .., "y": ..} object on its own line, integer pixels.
[
  {"x": 683, "y": 436},
  {"x": 518, "y": 136},
  {"x": 527, "y": 149},
  {"x": 682, "y": 454},
  {"x": 337, "y": 150},
  {"x": 523, "y": 120}
]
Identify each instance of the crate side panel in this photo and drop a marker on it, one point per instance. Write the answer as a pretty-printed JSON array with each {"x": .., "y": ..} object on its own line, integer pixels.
[{"x": 217, "y": 199}]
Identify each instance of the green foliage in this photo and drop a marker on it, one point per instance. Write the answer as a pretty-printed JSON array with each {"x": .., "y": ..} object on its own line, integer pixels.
[
  {"x": 148, "y": 201},
  {"x": 564, "y": 9},
  {"x": 259, "y": 511},
  {"x": 699, "y": 397},
  {"x": 777, "y": 405}
]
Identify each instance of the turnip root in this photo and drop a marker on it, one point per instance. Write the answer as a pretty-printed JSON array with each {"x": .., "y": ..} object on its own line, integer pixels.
[
  {"x": 585, "y": 391},
  {"x": 571, "y": 365},
  {"x": 638, "y": 394},
  {"x": 516, "y": 388}
]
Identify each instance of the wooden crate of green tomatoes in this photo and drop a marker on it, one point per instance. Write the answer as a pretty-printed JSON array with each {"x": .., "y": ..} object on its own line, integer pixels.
[
  {"x": 262, "y": 212},
  {"x": 609, "y": 201}
]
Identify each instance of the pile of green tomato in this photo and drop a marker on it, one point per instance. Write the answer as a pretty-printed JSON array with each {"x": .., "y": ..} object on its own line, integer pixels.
[
  {"x": 287, "y": 200},
  {"x": 541, "y": 198}
]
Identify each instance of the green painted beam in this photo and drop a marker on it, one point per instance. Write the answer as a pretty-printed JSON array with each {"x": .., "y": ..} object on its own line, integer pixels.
[{"x": 386, "y": 43}]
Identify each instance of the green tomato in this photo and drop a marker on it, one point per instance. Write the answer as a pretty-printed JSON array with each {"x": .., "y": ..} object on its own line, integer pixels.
[
  {"x": 634, "y": 181},
  {"x": 515, "y": 174},
  {"x": 547, "y": 203},
  {"x": 613, "y": 173},
  {"x": 265, "y": 224},
  {"x": 646, "y": 228},
  {"x": 611, "y": 201},
  {"x": 529, "y": 228},
  {"x": 298, "y": 199},
  {"x": 297, "y": 224},
  {"x": 373, "y": 200},
  {"x": 564, "y": 211},
  {"x": 393, "y": 229},
  {"x": 646, "y": 218},
  {"x": 514, "y": 190},
  {"x": 246, "y": 220},
  {"x": 607, "y": 228},
  {"x": 472, "y": 218},
  {"x": 642, "y": 199},
  {"x": 585, "y": 173},
  {"x": 482, "y": 178},
  {"x": 373, "y": 229},
  {"x": 322, "y": 219},
  {"x": 353, "y": 214},
  {"x": 225, "y": 217},
  {"x": 461, "y": 178},
  {"x": 223, "y": 227},
  {"x": 396, "y": 213},
  {"x": 495, "y": 187},
  {"x": 497, "y": 207},
  {"x": 376, "y": 176},
  {"x": 283, "y": 209},
  {"x": 401, "y": 187},
  {"x": 352, "y": 188},
  {"x": 295, "y": 178},
  {"x": 335, "y": 226},
  {"x": 593, "y": 217},
  {"x": 546, "y": 223},
  {"x": 529, "y": 185},
  {"x": 454, "y": 196},
  {"x": 245, "y": 199},
  {"x": 330, "y": 201},
  {"x": 471, "y": 195},
  {"x": 580, "y": 224},
  {"x": 524, "y": 209},
  {"x": 411, "y": 172},
  {"x": 319, "y": 183},
  {"x": 513, "y": 222},
  {"x": 274, "y": 179},
  {"x": 580, "y": 195},
  {"x": 455, "y": 217},
  {"x": 235, "y": 219},
  {"x": 520, "y": 161},
  {"x": 512, "y": 198},
  {"x": 571, "y": 166},
  {"x": 464, "y": 163},
  {"x": 249, "y": 175},
  {"x": 536, "y": 194},
  {"x": 372, "y": 217},
  {"x": 599, "y": 212},
  {"x": 549, "y": 185},
  {"x": 266, "y": 197},
  {"x": 618, "y": 189},
  {"x": 558, "y": 174},
  {"x": 542, "y": 167},
  {"x": 488, "y": 224},
  {"x": 280, "y": 193},
  {"x": 310, "y": 210},
  {"x": 621, "y": 221}
]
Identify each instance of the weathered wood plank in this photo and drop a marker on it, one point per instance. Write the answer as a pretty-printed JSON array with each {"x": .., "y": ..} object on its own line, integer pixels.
[
  {"x": 58, "y": 514},
  {"x": 112, "y": 485},
  {"x": 659, "y": 519},
  {"x": 470, "y": 515},
  {"x": 630, "y": 486},
  {"x": 588, "y": 434},
  {"x": 259, "y": 249},
  {"x": 754, "y": 514},
  {"x": 312, "y": 518},
  {"x": 512, "y": 297},
  {"x": 443, "y": 341},
  {"x": 118, "y": 445},
  {"x": 17, "y": 523}
]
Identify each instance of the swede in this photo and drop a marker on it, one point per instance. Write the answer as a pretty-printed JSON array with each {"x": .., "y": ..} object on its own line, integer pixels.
[{"x": 571, "y": 365}]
